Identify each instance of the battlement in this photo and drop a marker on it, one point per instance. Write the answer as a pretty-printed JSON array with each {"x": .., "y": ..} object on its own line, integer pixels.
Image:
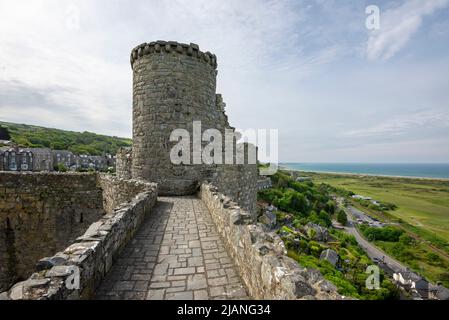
[{"x": 161, "y": 46}]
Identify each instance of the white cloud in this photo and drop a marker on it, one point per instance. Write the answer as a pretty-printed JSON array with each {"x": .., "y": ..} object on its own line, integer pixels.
[
  {"x": 83, "y": 47},
  {"x": 398, "y": 25},
  {"x": 404, "y": 124},
  {"x": 293, "y": 65}
]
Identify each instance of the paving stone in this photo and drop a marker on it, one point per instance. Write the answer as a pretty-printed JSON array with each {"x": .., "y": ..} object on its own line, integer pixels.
[
  {"x": 200, "y": 295},
  {"x": 141, "y": 286},
  {"x": 195, "y": 261},
  {"x": 218, "y": 281},
  {"x": 179, "y": 271},
  {"x": 217, "y": 291},
  {"x": 185, "y": 295},
  {"x": 196, "y": 281},
  {"x": 160, "y": 269},
  {"x": 124, "y": 285},
  {"x": 141, "y": 277},
  {"x": 179, "y": 283},
  {"x": 175, "y": 289},
  {"x": 155, "y": 294},
  {"x": 157, "y": 285}
]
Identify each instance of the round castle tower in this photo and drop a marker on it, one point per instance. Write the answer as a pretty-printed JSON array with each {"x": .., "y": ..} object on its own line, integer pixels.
[{"x": 173, "y": 85}]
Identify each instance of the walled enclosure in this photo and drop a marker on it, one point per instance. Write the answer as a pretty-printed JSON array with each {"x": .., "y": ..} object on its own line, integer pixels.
[
  {"x": 42, "y": 213},
  {"x": 123, "y": 163}
]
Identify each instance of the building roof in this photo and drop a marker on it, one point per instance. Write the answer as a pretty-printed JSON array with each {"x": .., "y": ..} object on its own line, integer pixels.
[
  {"x": 40, "y": 150},
  {"x": 442, "y": 293},
  {"x": 329, "y": 255},
  {"x": 62, "y": 152},
  {"x": 410, "y": 276}
]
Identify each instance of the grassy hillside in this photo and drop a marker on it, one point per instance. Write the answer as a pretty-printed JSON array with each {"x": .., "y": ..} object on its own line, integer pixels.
[
  {"x": 77, "y": 142},
  {"x": 422, "y": 203}
]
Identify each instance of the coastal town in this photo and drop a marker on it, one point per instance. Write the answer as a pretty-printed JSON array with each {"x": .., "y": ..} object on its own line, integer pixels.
[{"x": 16, "y": 158}]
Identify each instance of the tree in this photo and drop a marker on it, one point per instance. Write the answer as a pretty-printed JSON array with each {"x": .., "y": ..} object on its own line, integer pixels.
[
  {"x": 4, "y": 133},
  {"x": 406, "y": 239},
  {"x": 298, "y": 202},
  {"x": 330, "y": 207},
  {"x": 60, "y": 167},
  {"x": 325, "y": 218},
  {"x": 342, "y": 218}
]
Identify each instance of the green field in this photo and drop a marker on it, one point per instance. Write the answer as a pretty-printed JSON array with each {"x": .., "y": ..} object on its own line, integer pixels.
[{"x": 422, "y": 203}]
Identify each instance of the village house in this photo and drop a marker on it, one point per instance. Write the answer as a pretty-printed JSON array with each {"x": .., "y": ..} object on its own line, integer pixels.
[
  {"x": 65, "y": 158},
  {"x": 98, "y": 163},
  {"x": 43, "y": 159},
  {"x": 330, "y": 256},
  {"x": 16, "y": 159},
  {"x": 419, "y": 287}
]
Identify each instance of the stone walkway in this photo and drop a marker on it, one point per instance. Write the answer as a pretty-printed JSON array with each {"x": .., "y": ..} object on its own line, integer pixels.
[{"x": 176, "y": 254}]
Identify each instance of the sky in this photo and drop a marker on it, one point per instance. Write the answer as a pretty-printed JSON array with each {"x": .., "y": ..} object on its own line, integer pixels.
[{"x": 336, "y": 90}]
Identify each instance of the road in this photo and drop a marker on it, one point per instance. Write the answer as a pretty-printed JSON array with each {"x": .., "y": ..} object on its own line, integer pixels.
[{"x": 371, "y": 250}]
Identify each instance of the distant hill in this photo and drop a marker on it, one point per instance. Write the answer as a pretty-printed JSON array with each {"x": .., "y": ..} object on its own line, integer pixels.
[{"x": 78, "y": 142}]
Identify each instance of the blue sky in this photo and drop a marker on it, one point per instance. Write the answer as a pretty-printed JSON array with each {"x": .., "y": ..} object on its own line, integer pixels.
[{"x": 336, "y": 91}]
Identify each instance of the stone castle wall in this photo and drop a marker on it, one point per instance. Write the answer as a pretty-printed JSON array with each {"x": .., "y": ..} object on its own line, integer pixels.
[
  {"x": 239, "y": 181},
  {"x": 174, "y": 84},
  {"x": 92, "y": 254},
  {"x": 127, "y": 202},
  {"x": 40, "y": 213},
  {"x": 123, "y": 163},
  {"x": 117, "y": 191},
  {"x": 260, "y": 256}
]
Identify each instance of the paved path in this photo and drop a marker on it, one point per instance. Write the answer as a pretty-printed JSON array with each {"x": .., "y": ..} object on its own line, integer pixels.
[{"x": 176, "y": 254}]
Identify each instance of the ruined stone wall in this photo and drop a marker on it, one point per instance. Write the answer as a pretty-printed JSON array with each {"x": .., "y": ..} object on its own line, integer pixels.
[
  {"x": 238, "y": 182},
  {"x": 40, "y": 213},
  {"x": 92, "y": 254},
  {"x": 173, "y": 85},
  {"x": 260, "y": 256},
  {"x": 123, "y": 163},
  {"x": 117, "y": 191}
]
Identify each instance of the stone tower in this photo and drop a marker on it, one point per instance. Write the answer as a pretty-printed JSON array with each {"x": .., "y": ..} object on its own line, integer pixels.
[{"x": 174, "y": 84}]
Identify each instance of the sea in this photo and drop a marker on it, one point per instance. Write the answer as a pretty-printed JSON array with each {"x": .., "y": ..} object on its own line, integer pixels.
[{"x": 419, "y": 170}]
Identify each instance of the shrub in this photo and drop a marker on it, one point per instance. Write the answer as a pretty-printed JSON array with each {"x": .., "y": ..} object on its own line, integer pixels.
[
  {"x": 60, "y": 167},
  {"x": 390, "y": 234},
  {"x": 433, "y": 258},
  {"x": 4, "y": 133},
  {"x": 406, "y": 239},
  {"x": 341, "y": 217}
]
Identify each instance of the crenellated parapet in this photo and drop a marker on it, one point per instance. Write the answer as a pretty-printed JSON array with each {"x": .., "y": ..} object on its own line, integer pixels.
[{"x": 160, "y": 47}]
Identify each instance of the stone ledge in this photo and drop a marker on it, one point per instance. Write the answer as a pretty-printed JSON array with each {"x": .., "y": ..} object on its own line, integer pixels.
[
  {"x": 261, "y": 257},
  {"x": 161, "y": 46},
  {"x": 92, "y": 254}
]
